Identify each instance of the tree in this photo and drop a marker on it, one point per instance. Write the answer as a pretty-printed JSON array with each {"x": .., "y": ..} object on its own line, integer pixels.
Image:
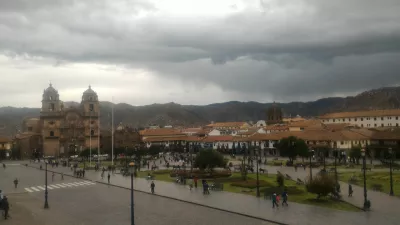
[
  {"x": 280, "y": 179},
  {"x": 154, "y": 150},
  {"x": 355, "y": 154},
  {"x": 209, "y": 159},
  {"x": 322, "y": 185},
  {"x": 85, "y": 153},
  {"x": 291, "y": 147}
]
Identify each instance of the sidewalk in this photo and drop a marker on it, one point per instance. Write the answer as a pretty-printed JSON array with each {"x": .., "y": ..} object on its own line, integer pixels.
[
  {"x": 248, "y": 205},
  {"x": 380, "y": 202}
]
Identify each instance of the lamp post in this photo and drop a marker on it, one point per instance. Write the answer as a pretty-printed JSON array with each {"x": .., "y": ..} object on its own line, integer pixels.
[
  {"x": 258, "y": 180},
  {"x": 391, "y": 169},
  {"x": 366, "y": 202},
  {"x": 336, "y": 175},
  {"x": 46, "y": 193},
  {"x": 132, "y": 170},
  {"x": 311, "y": 154}
]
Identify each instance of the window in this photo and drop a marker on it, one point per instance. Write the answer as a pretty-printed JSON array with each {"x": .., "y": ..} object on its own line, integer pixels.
[
  {"x": 90, "y": 98},
  {"x": 51, "y": 98},
  {"x": 397, "y": 124},
  {"x": 333, "y": 120},
  {"x": 362, "y": 125},
  {"x": 91, "y": 132},
  {"x": 355, "y": 119},
  {"x": 362, "y": 119},
  {"x": 342, "y": 142},
  {"x": 51, "y": 133},
  {"x": 382, "y": 125},
  {"x": 349, "y": 119},
  {"x": 343, "y": 120},
  {"x": 91, "y": 107},
  {"x": 92, "y": 122},
  {"x": 51, "y": 108},
  {"x": 397, "y": 118},
  {"x": 375, "y": 125},
  {"x": 381, "y": 118},
  {"x": 374, "y": 118}
]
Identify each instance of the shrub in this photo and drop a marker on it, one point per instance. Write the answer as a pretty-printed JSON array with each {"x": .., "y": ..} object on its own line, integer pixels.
[
  {"x": 291, "y": 190},
  {"x": 280, "y": 179},
  {"x": 201, "y": 174},
  {"x": 250, "y": 184},
  {"x": 322, "y": 185}
]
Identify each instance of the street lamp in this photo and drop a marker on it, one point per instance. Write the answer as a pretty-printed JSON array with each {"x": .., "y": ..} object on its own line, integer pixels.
[
  {"x": 258, "y": 181},
  {"x": 46, "y": 203},
  {"x": 391, "y": 169},
  {"x": 366, "y": 202},
  {"x": 311, "y": 154},
  {"x": 336, "y": 175},
  {"x": 132, "y": 170}
]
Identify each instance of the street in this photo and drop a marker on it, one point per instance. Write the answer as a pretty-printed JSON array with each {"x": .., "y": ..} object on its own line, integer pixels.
[{"x": 100, "y": 204}]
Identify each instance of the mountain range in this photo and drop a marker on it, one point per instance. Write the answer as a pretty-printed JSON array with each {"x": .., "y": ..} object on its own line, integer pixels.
[{"x": 193, "y": 115}]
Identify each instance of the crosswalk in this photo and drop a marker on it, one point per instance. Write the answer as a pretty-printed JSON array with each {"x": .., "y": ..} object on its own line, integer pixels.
[{"x": 58, "y": 186}]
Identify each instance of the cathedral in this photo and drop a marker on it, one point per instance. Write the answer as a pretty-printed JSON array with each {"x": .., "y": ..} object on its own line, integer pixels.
[{"x": 64, "y": 129}]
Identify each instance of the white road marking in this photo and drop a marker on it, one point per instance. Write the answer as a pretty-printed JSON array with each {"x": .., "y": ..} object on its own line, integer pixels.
[
  {"x": 48, "y": 187},
  {"x": 68, "y": 185},
  {"x": 83, "y": 183},
  {"x": 41, "y": 188},
  {"x": 35, "y": 189},
  {"x": 53, "y": 186},
  {"x": 28, "y": 190},
  {"x": 59, "y": 185}
]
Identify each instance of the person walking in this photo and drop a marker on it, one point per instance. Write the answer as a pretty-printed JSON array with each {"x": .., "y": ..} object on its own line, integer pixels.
[
  {"x": 350, "y": 190},
  {"x": 195, "y": 181},
  {"x": 152, "y": 186},
  {"x": 6, "y": 206},
  {"x": 16, "y": 183},
  {"x": 62, "y": 176},
  {"x": 274, "y": 198},
  {"x": 108, "y": 177},
  {"x": 52, "y": 176},
  {"x": 284, "y": 198}
]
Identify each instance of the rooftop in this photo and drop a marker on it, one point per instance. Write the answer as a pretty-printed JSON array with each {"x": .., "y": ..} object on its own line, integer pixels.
[{"x": 369, "y": 113}]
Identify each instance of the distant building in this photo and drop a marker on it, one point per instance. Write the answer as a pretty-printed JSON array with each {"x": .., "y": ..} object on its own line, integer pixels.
[
  {"x": 274, "y": 114},
  {"x": 368, "y": 119}
]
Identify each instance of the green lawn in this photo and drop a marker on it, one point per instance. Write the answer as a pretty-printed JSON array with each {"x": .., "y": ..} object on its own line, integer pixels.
[
  {"x": 297, "y": 193},
  {"x": 382, "y": 178}
]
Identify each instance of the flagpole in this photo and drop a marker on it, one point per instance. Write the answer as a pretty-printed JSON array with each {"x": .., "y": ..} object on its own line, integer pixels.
[
  {"x": 112, "y": 131},
  {"x": 98, "y": 139}
]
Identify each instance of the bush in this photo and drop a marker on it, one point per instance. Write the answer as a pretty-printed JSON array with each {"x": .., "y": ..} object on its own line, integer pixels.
[
  {"x": 280, "y": 179},
  {"x": 322, "y": 185},
  {"x": 250, "y": 184}
]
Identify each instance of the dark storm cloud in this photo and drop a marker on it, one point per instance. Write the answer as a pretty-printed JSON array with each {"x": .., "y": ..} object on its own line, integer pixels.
[{"x": 290, "y": 50}]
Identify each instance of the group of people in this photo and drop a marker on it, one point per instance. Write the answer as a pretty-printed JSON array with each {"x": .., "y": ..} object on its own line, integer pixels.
[{"x": 276, "y": 198}]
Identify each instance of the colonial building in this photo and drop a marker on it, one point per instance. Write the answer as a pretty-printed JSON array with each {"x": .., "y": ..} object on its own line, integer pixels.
[
  {"x": 61, "y": 129},
  {"x": 368, "y": 119}
]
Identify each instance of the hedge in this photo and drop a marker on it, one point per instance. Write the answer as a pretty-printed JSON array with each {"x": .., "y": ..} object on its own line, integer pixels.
[{"x": 250, "y": 184}]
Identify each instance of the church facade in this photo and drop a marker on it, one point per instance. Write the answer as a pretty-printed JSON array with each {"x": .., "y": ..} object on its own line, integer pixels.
[{"x": 63, "y": 129}]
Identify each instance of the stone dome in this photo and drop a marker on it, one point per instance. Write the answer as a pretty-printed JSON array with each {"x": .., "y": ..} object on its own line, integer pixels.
[{"x": 89, "y": 95}]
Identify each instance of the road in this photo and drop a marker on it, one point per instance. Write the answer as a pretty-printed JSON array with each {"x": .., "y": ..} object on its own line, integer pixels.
[{"x": 99, "y": 204}]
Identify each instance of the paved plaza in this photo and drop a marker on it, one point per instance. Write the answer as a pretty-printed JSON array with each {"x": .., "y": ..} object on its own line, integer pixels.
[
  {"x": 102, "y": 204},
  {"x": 249, "y": 205}
]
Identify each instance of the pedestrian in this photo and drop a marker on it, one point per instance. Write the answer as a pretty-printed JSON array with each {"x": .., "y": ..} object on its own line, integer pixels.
[
  {"x": 62, "y": 176},
  {"x": 152, "y": 186},
  {"x": 195, "y": 181},
  {"x": 273, "y": 197},
  {"x": 108, "y": 178},
  {"x": 6, "y": 206},
  {"x": 52, "y": 176},
  {"x": 83, "y": 173},
  {"x": 102, "y": 175},
  {"x": 284, "y": 197},
  {"x": 16, "y": 182},
  {"x": 350, "y": 190},
  {"x": 4, "y": 166},
  {"x": 1, "y": 195},
  {"x": 295, "y": 167}
]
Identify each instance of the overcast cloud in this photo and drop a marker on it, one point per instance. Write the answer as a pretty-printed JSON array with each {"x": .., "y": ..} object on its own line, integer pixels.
[{"x": 197, "y": 52}]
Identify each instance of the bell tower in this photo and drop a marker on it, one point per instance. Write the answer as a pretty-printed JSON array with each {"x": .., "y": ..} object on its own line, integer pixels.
[
  {"x": 90, "y": 107},
  {"x": 51, "y": 100}
]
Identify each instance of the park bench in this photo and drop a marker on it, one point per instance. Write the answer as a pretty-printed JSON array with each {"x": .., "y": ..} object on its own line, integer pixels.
[
  {"x": 299, "y": 182},
  {"x": 217, "y": 187},
  {"x": 262, "y": 170},
  {"x": 377, "y": 187},
  {"x": 396, "y": 168},
  {"x": 237, "y": 168},
  {"x": 367, "y": 169},
  {"x": 154, "y": 167},
  {"x": 288, "y": 177}
]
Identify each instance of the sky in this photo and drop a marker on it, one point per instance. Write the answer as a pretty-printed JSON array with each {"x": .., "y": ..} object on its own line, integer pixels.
[{"x": 199, "y": 52}]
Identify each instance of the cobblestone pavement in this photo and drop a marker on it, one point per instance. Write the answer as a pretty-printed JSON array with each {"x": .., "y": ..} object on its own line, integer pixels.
[
  {"x": 107, "y": 205},
  {"x": 294, "y": 214}
]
